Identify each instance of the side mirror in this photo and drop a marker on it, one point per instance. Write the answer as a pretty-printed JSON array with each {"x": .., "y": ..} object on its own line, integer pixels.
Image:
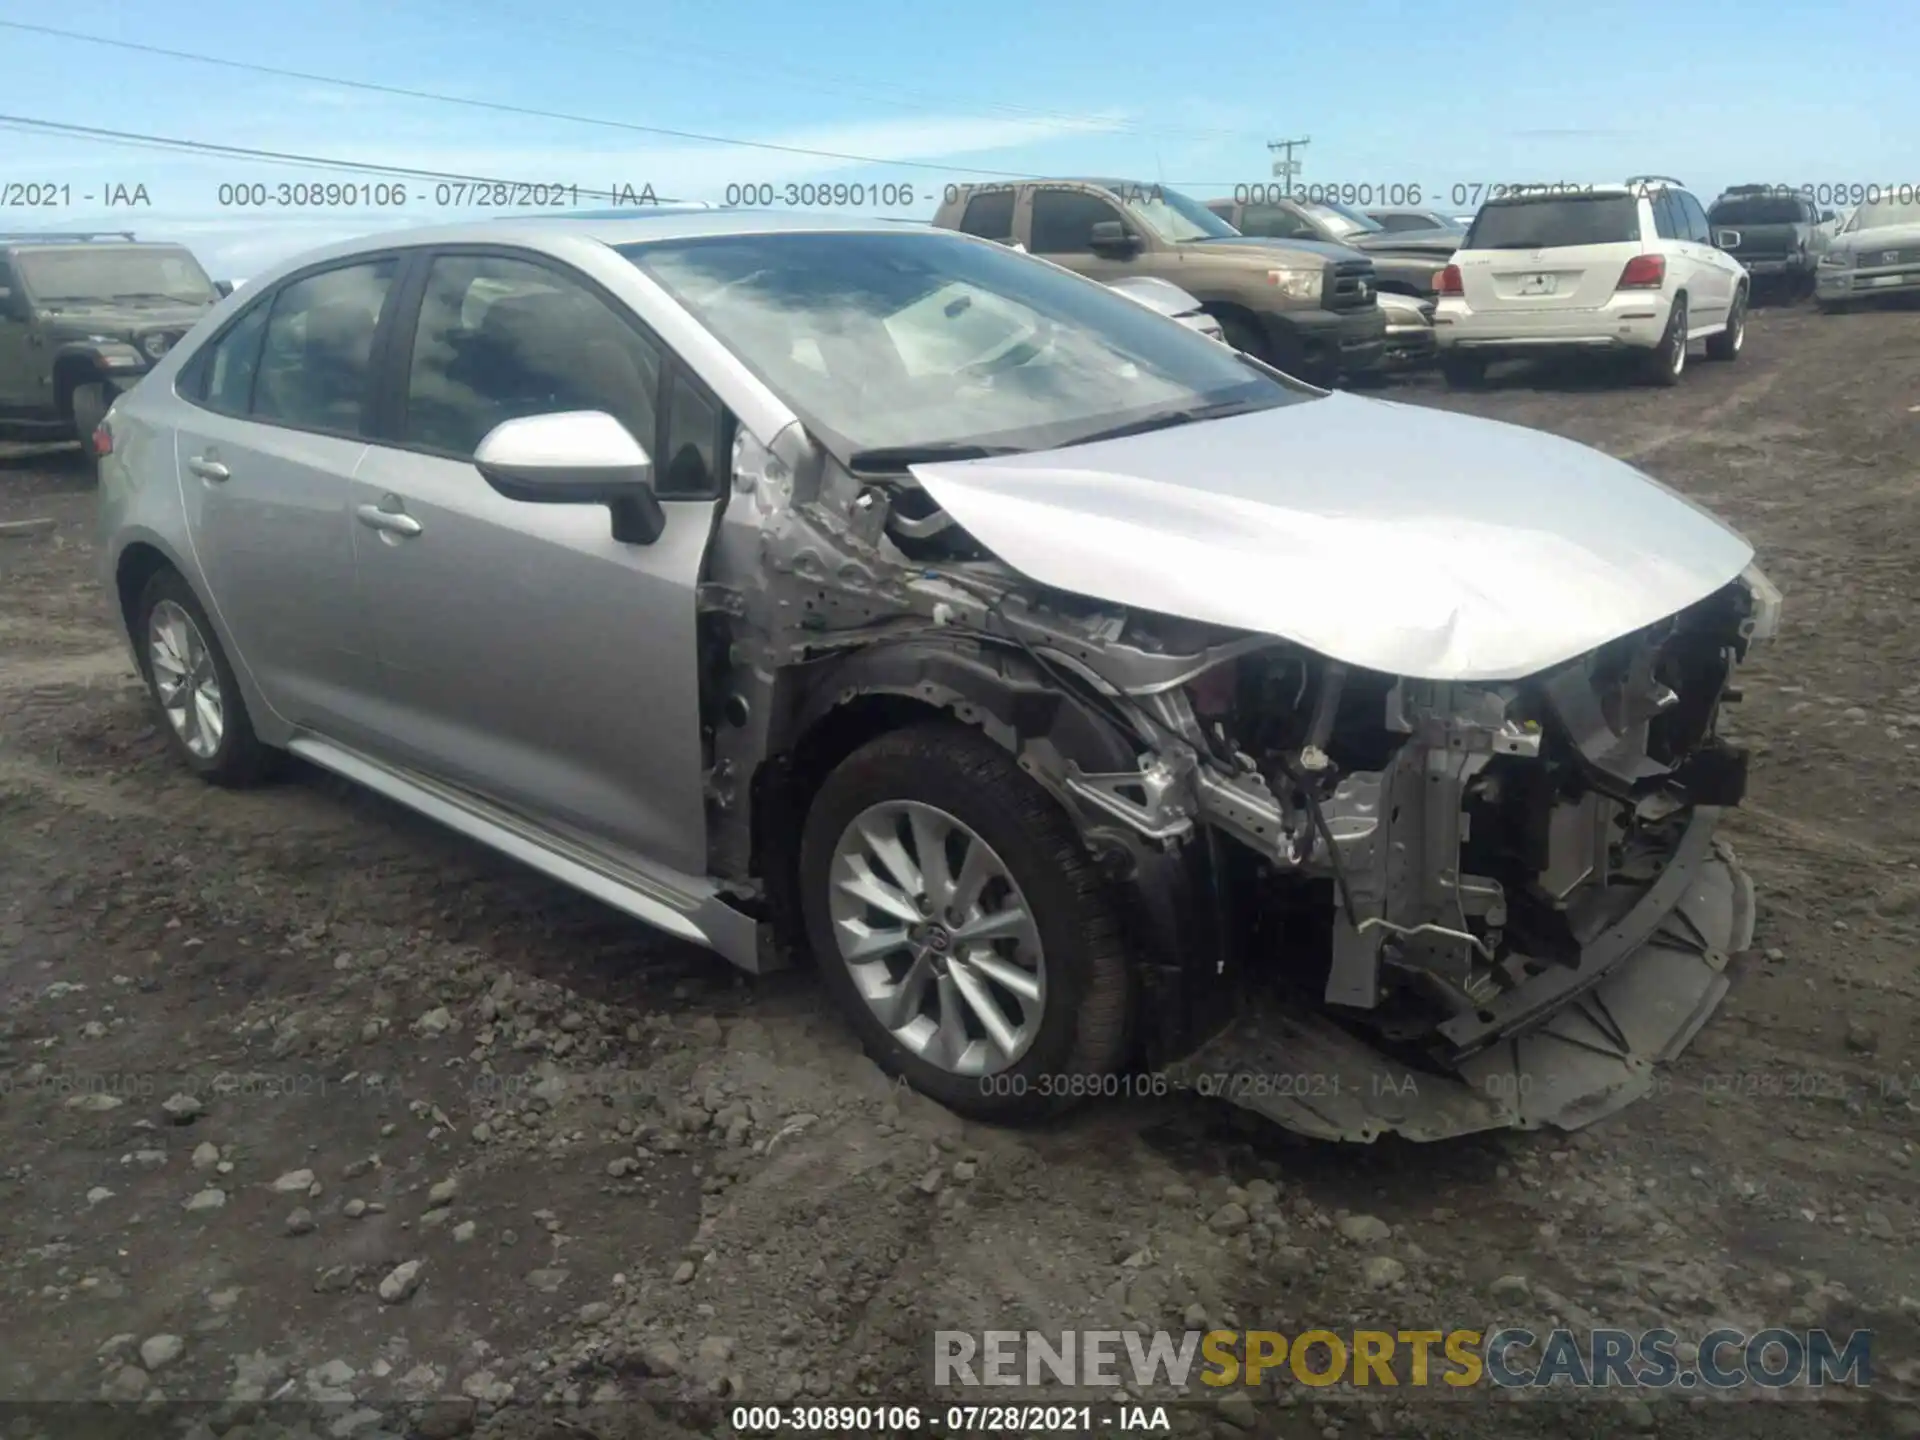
[
  {"x": 1826, "y": 215},
  {"x": 225, "y": 287},
  {"x": 578, "y": 457},
  {"x": 1112, "y": 235}
]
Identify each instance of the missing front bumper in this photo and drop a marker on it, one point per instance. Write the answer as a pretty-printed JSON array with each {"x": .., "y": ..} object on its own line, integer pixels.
[{"x": 1571, "y": 1060}]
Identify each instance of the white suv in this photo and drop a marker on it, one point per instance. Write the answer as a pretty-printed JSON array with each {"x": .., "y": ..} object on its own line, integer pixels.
[{"x": 1604, "y": 267}]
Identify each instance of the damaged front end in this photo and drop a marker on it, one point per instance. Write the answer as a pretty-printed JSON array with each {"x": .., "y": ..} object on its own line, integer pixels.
[
  {"x": 1463, "y": 906},
  {"x": 1368, "y": 903}
]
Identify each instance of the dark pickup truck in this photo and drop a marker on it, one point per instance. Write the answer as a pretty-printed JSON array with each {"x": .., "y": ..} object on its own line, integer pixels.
[
  {"x": 1777, "y": 234},
  {"x": 1404, "y": 261},
  {"x": 1310, "y": 308}
]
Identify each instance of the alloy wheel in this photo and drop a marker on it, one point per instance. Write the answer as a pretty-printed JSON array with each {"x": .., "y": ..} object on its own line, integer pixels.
[
  {"x": 938, "y": 937},
  {"x": 185, "y": 680}
]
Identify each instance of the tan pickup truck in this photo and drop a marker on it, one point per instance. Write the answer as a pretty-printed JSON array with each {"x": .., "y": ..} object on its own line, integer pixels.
[{"x": 1307, "y": 307}]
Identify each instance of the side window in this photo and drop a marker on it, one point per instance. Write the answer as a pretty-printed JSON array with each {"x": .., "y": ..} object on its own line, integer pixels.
[
  {"x": 6, "y": 277},
  {"x": 1063, "y": 221},
  {"x": 1666, "y": 220},
  {"x": 1694, "y": 227},
  {"x": 689, "y": 468},
  {"x": 501, "y": 339},
  {"x": 990, "y": 216},
  {"x": 231, "y": 363},
  {"x": 317, "y": 354}
]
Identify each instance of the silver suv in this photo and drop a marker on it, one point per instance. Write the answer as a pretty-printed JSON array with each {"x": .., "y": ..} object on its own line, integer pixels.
[{"x": 1097, "y": 706}]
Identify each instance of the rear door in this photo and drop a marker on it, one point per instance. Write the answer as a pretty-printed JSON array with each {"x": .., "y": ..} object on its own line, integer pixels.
[
  {"x": 524, "y": 653},
  {"x": 989, "y": 214},
  {"x": 1535, "y": 255},
  {"x": 273, "y": 429}
]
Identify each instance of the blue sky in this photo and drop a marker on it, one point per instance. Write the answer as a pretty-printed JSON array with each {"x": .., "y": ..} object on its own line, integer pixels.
[{"x": 1454, "y": 92}]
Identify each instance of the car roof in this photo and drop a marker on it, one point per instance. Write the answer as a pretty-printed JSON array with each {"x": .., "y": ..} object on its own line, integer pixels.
[
  {"x": 618, "y": 229},
  {"x": 55, "y": 242}
]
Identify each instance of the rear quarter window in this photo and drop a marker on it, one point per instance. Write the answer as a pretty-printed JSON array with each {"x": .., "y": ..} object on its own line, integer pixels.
[{"x": 1561, "y": 220}]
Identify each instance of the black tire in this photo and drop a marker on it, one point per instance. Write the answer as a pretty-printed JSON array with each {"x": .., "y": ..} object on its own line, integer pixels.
[
  {"x": 1085, "y": 1027},
  {"x": 240, "y": 759},
  {"x": 1666, "y": 362},
  {"x": 1246, "y": 337},
  {"x": 1463, "y": 372},
  {"x": 1728, "y": 344},
  {"x": 1834, "y": 307},
  {"x": 89, "y": 405}
]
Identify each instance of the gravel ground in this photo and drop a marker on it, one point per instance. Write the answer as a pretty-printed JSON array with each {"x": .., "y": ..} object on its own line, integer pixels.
[{"x": 303, "y": 1099}]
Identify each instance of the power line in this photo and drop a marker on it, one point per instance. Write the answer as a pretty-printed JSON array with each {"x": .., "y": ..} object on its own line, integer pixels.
[
  {"x": 501, "y": 107},
  {"x": 28, "y": 125},
  {"x": 281, "y": 157}
]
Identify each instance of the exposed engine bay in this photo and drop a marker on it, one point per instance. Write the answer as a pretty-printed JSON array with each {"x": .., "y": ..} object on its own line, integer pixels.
[{"x": 1435, "y": 906}]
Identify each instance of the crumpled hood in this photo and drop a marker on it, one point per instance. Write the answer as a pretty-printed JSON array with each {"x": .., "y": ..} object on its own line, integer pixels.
[{"x": 1395, "y": 538}]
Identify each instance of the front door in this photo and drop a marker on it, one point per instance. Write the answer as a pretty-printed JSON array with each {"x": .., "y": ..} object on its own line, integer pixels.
[
  {"x": 525, "y": 653},
  {"x": 1060, "y": 226}
]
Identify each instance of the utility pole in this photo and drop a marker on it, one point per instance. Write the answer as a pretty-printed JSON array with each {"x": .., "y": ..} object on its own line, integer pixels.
[{"x": 1288, "y": 166}]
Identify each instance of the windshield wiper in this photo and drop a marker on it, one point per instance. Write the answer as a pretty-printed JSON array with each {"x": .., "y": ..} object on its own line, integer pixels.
[
  {"x": 893, "y": 459},
  {"x": 1169, "y": 419}
]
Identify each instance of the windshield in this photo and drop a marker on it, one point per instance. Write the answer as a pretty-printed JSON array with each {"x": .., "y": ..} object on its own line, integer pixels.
[
  {"x": 1562, "y": 220},
  {"x": 111, "y": 274},
  {"x": 1339, "y": 219},
  {"x": 888, "y": 341},
  {"x": 1771, "y": 211},
  {"x": 1178, "y": 218},
  {"x": 1872, "y": 217}
]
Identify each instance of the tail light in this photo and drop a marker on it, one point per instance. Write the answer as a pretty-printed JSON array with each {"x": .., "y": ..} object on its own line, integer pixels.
[
  {"x": 1447, "y": 282},
  {"x": 102, "y": 439},
  {"x": 1643, "y": 272}
]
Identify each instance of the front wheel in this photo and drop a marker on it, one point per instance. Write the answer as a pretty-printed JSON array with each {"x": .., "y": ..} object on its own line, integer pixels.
[
  {"x": 962, "y": 927},
  {"x": 1727, "y": 344}
]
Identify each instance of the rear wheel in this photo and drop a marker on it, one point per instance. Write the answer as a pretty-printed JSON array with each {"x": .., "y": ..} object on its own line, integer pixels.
[
  {"x": 1667, "y": 361},
  {"x": 193, "y": 687},
  {"x": 961, "y": 925},
  {"x": 1727, "y": 344},
  {"x": 1463, "y": 372},
  {"x": 89, "y": 405},
  {"x": 1834, "y": 307}
]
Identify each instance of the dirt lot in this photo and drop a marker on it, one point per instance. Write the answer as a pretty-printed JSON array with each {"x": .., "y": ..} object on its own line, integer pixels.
[{"x": 259, "y": 1051}]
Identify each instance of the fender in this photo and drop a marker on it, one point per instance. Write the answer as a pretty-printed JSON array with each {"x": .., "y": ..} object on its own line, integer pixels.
[
  {"x": 117, "y": 362},
  {"x": 1186, "y": 972}
]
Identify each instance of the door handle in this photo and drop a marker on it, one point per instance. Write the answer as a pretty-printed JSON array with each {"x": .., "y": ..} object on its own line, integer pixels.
[
  {"x": 208, "y": 469},
  {"x": 391, "y": 521}
]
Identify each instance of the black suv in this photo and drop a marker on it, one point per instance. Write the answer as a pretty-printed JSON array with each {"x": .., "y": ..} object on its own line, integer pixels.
[
  {"x": 82, "y": 317},
  {"x": 1777, "y": 233}
]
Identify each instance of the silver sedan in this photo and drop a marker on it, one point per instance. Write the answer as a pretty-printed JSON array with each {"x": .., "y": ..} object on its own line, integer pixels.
[{"x": 878, "y": 592}]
